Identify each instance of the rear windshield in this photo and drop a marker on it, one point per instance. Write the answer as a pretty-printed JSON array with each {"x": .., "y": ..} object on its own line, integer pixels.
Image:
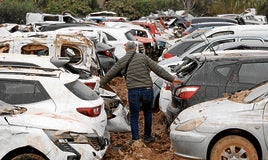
[
  {"x": 185, "y": 68},
  {"x": 81, "y": 90}
]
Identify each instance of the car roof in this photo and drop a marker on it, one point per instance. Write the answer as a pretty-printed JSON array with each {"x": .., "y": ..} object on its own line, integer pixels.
[
  {"x": 30, "y": 60},
  {"x": 52, "y": 27},
  {"x": 236, "y": 55},
  {"x": 208, "y": 24},
  {"x": 247, "y": 39},
  {"x": 212, "y": 19},
  {"x": 31, "y": 65}
]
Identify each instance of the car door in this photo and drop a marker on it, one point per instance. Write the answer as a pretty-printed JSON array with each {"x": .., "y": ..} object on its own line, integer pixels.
[
  {"x": 216, "y": 76},
  {"x": 247, "y": 75}
]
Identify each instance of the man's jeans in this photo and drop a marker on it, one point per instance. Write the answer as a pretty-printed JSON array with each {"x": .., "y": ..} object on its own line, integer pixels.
[{"x": 140, "y": 97}]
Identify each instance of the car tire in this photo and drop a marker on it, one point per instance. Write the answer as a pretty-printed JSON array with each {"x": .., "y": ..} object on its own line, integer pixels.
[
  {"x": 229, "y": 146},
  {"x": 30, "y": 156}
]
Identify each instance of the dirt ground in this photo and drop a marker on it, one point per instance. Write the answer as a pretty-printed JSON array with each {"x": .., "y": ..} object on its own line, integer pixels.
[{"x": 120, "y": 149}]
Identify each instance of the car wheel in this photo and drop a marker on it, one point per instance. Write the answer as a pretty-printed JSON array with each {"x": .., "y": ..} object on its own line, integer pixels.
[
  {"x": 233, "y": 147},
  {"x": 29, "y": 156}
]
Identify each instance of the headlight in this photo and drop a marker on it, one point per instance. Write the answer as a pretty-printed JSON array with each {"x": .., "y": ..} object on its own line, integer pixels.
[
  {"x": 190, "y": 125},
  {"x": 64, "y": 139}
]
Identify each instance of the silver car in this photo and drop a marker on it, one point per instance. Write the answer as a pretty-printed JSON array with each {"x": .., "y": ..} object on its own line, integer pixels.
[{"x": 234, "y": 127}]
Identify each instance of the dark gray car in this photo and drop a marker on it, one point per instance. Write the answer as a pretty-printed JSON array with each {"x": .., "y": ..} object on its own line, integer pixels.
[{"x": 206, "y": 77}]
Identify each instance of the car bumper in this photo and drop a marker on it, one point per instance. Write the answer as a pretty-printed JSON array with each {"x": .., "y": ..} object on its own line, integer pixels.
[
  {"x": 190, "y": 145},
  {"x": 88, "y": 152},
  {"x": 164, "y": 99},
  {"x": 172, "y": 112}
]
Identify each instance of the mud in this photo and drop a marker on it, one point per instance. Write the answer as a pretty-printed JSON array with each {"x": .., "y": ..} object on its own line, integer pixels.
[{"x": 120, "y": 149}]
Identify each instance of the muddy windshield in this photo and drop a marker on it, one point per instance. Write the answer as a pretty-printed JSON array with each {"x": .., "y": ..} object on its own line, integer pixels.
[
  {"x": 258, "y": 93},
  {"x": 255, "y": 94}
]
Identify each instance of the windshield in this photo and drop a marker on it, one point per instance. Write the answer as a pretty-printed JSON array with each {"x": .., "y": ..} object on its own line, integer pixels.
[{"x": 257, "y": 93}]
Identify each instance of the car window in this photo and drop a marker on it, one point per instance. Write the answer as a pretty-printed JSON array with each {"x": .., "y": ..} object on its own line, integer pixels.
[
  {"x": 139, "y": 33},
  {"x": 109, "y": 37},
  {"x": 223, "y": 70},
  {"x": 35, "y": 49},
  {"x": 211, "y": 46},
  {"x": 221, "y": 33},
  {"x": 180, "y": 48},
  {"x": 251, "y": 40},
  {"x": 22, "y": 91},
  {"x": 130, "y": 36},
  {"x": 72, "y": 52},
  {"x": 253, "y": 73},
  {"x": 200, "y": 49},
  {"x": 4, "y": 48},
  {"x": 257, "y": 92},
  {"x": 81, "y": 90}
]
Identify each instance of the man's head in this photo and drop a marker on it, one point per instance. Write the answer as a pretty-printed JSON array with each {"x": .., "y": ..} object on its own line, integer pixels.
[{"x": 130, "y": 46}]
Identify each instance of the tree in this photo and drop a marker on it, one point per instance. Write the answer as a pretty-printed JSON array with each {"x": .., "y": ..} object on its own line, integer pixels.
[{"x": 14, "y": 11}]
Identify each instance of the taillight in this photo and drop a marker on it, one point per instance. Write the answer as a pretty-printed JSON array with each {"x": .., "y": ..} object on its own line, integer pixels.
[
  {"x": 167, "y": 85},
  {"x": 187, "y": 92},
  {"x": 167, "y": 55},
  {"x": 91, "y": 84},
  {"x": 90, "y": 112},
  {"x": 108, "y": 53}
]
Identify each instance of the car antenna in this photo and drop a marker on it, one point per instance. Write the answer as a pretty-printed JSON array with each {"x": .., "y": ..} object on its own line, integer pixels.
[{"x": 211, "y": 48}]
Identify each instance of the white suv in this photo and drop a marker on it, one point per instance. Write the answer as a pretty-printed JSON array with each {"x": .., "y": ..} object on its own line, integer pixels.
[
  {"x": 51, "y": 91},
  {"x": 46, "y": 135}
]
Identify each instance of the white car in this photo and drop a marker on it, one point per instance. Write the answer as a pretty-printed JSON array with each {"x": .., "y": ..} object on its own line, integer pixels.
[
  {"x": 159, "y": 84},
  {"x": 48, "y": 90},
  {"x": 76, "y": 47},
  {"x": 40, "y": 135},
  {"x": 234, "y": 127},
  {"x": 118, "y": 38},
  {"x": 117, "y": 112}
]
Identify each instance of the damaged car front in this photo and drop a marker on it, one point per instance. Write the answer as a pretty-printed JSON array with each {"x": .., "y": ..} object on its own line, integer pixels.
[{"x": 46, "y": 135}]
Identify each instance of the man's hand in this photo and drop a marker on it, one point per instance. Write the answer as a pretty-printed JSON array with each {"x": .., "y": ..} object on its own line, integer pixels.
[{"x": 176, "y": 81}]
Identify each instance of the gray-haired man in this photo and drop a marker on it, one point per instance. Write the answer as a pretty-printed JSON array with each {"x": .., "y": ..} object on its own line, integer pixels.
[{"x": 139, "y": 85}]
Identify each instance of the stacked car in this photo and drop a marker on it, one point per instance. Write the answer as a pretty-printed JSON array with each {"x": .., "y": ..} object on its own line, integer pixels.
[{"x": 52, "y": 107}]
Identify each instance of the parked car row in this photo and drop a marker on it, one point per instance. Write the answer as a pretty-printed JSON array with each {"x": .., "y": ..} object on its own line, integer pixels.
[
  {"x": 216, "y": 110},
  {"x": 49, "y": 85},
  {"x": 65, "y": 116}
]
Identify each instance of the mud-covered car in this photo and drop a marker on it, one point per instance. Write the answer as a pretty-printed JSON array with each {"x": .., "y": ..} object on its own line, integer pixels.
[
  {"x": 54, "y": 92},
  {"x": 234, "y": 127},
  {"x": 209, "y": 76},
  {"x": 117, "y": 113},
  {"x": 43, "y": 135}
]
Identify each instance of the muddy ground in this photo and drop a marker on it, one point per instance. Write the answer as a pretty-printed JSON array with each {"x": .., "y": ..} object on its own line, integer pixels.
[{"x": 121, "y": 150}]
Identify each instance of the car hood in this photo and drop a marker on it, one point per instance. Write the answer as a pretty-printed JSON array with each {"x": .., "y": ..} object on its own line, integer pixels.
[
  {"x": 219, "y": 108},
  {"x": 48, "y": 120}
]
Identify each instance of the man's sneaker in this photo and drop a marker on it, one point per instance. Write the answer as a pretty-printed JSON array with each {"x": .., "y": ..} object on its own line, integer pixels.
[
  {"x": 149, "y": 139},
  {"x": 131, "y": 141}
]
